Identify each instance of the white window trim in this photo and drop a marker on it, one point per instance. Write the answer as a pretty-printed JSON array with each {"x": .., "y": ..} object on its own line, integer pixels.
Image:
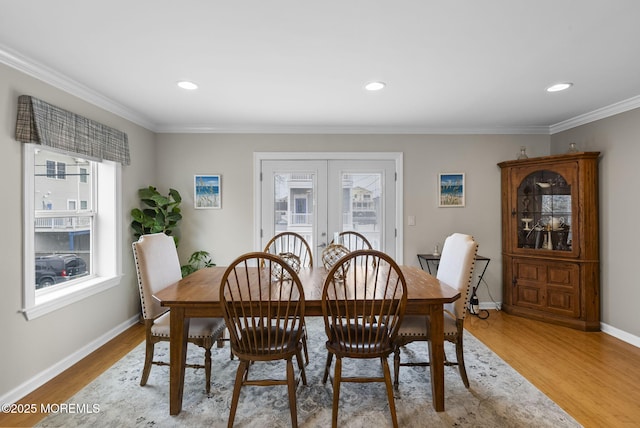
[{"x": 107, "y": 242}]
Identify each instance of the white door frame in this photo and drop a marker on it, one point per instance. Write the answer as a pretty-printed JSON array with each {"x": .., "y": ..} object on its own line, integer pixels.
[{"x": 397, "y": 157}]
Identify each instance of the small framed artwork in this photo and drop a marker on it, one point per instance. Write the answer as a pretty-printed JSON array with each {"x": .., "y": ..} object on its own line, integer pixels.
[
  {"x": 451, "y": 189},
  {"x": 207, "y": 191}
]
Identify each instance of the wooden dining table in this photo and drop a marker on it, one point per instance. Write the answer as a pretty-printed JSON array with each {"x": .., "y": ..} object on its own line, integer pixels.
[{"x": 198, "y": 295}]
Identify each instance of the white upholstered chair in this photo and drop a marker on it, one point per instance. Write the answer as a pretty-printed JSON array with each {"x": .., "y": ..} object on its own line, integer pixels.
[
  {"x": 456, "y": 270},
  {"x": 157, "y": 266}
]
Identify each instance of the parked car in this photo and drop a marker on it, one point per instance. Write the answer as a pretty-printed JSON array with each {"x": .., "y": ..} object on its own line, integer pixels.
[{"x": 58, "y": 268}]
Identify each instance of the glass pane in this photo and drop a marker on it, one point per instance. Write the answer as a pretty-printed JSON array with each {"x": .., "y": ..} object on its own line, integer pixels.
[
  {"x": 544, "y": 212},
  {"x": 293, "y": 203},
  {"x": 62, "y": 248},
  {"x": 63, "y": 200},
  {"x": 60, "y": 179},
  {"x": 361, "y": 209}
]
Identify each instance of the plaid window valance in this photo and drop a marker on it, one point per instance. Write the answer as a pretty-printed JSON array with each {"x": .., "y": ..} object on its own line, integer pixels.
[{"x": 42, "y": 123}]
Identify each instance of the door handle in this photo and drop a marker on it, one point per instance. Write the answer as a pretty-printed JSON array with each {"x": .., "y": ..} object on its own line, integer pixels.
[{"x": 324, "y": 244}]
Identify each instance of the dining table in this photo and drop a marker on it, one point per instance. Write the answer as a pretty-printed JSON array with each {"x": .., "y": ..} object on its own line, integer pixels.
[{"x": 198, "y": 295}]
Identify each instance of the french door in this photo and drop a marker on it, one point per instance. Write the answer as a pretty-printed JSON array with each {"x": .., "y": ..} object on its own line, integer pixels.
[{"x": 319, "y": 195}]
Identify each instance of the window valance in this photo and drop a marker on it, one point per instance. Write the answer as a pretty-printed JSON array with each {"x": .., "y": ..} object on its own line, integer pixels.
[{"x": 42, "y": 123}]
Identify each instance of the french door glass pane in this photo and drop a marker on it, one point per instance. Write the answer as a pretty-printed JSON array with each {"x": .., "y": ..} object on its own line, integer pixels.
[
  {"x": 361, "y": 205},
  {"x": 293, "y": 203}
]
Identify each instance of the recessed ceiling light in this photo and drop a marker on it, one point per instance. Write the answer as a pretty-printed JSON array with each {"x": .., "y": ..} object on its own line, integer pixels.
[
  {"x": 375, "y": 86},
  {"x": 559, "y": 87},
  {"x": 185, "y": 84}
]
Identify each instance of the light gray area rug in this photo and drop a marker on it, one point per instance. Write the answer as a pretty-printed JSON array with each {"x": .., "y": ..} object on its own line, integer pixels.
[{"x": 498, "y": 396}]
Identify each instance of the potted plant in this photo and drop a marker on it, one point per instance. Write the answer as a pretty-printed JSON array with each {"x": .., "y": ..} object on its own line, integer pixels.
[{"x": 161, "y": 213}]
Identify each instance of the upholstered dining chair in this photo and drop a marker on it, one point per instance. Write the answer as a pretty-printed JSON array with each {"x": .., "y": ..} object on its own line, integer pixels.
[
  {"x": 263, "y": 305},
  {"x": 455, "y": 269},
  {"x": 293, "y": 248},
  {"x": 363, "y": 307},
  {"x": 157, "y": 267}
]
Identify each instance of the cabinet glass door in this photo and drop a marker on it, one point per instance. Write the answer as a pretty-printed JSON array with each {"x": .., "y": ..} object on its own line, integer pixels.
[{"x": 544, "y": 211}]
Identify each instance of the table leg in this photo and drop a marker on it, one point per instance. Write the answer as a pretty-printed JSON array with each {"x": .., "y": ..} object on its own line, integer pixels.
[
  {"x": 179, "y": 329},
  {"x": 436, "y": 355}
]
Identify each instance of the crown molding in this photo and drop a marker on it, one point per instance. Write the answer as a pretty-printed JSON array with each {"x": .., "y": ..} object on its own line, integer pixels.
[
  {"x": 601, "y": 113},
  {"x": 64, "y": 83},
  {"x": 351, "y": 130}
]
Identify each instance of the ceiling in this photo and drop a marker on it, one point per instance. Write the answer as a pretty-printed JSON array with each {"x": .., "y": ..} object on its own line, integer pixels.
[{"x": 463, "y": 66}]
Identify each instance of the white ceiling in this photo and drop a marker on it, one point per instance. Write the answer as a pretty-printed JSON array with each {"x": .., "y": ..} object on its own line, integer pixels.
[{"x": 464, "y": 66}]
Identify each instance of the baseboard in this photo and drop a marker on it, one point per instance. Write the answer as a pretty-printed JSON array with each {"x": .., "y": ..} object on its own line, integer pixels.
[
  {"x": 620, "y": 334},
  {"x": 491, "y": 306},
  {"x": 48, "y": 374}
]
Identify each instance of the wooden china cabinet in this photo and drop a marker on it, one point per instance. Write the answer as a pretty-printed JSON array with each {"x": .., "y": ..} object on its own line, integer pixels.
[{"x": 551, "y": 267}]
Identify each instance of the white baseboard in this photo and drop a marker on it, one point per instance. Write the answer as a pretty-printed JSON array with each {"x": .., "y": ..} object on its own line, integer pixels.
[
  {"x": 491, "y": 306},
  {"x": 620, "y": 334},
  {"x": 48, "y": 374}
]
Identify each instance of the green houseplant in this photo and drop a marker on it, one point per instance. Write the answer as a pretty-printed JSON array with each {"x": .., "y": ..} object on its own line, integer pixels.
[{"x": 162, "y": 214}]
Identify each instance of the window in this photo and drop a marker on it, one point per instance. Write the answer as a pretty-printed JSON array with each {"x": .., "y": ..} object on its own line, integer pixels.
[
  {"x": 70, "y": 253},
  {"x": 61, "y": 169},
  {"x": 51, "y": 169},
  {"x": 54, "y": 170}
]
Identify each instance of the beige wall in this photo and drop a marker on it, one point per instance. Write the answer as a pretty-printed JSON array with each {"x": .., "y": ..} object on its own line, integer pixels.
[
  {"x": 617, "y": 138},
  {"x": 31, "y": 349}
]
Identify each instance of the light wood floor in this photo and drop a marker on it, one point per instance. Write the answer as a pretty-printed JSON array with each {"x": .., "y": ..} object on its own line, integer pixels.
[{"x": 592, "y": 376}]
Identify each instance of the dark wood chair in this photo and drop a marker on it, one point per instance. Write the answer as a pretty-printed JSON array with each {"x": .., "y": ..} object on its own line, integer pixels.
[
  {"x": 456, "y": 270},
  {"x": 157, "y": 267},
  {"x": 353, "y": 241},
  {"x": 363, "y": 307},
  {"x": 294, "y": 249},
  {"x": 285, "y": 243},
  {"x": 263, "y": 304}
]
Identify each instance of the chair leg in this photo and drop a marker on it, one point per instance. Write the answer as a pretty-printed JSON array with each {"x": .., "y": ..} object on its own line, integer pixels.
[
  {"x": 460, "y": 357},
  {"x": 304, "y": 345},
  {"x": 303, "y": 375},
  {"x": 396, "y": 367},
  {"x": 242, "y": 368},
  {"x": 337, "y": 377},
  {"x": 387, "y": 381},
  {"x": 291, "y": 384},
  {"x": 327, "y": 367},
  {"x": 207, "y": 368},
  {"x": 148, "y": 360}
]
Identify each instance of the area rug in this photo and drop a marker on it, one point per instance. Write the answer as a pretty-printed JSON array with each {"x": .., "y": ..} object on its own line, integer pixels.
[{"x": 498, "y": 396}]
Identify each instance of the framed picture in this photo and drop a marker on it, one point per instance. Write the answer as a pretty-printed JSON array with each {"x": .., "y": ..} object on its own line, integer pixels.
[
  {"x": 207, "y": 191},
  {"x": 451, "y": 189}
]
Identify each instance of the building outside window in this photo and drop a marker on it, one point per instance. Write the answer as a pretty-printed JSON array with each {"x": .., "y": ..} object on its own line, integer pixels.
[{"x": 62, "y": 233}]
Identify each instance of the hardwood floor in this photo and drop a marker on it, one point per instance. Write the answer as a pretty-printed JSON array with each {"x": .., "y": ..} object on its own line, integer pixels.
[
  {"x": 65, "y": 385},
  {"x": 592, "y": 376}
]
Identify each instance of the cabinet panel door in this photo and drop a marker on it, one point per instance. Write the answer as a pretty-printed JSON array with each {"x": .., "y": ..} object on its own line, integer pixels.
[
  {"x": 563, "y": 290},
  {"x": 549, "y": 286},
  {"x": 529, "y": 285}
]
